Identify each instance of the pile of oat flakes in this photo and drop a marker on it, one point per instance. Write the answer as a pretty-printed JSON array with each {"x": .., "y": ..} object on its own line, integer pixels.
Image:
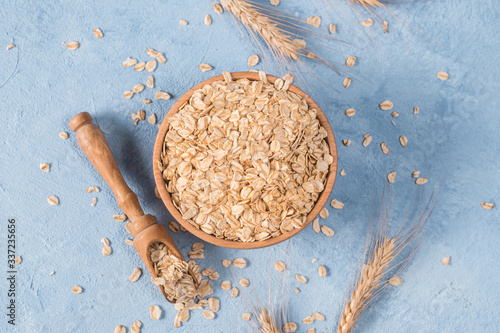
[{"x": 245, "y": 160}]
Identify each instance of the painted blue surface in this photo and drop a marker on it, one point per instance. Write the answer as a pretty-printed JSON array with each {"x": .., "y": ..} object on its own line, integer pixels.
[{"x": 454, "y": 140}]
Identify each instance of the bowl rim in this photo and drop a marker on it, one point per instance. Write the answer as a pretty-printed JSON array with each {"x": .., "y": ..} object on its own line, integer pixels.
[{"x": 165, "y": 195}]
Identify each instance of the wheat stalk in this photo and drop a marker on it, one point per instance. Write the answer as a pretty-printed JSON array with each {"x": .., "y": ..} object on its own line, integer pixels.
[{"x": 380, "y": 258}]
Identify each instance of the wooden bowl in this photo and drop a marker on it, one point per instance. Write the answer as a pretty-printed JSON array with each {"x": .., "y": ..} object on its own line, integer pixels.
[{"x": 165, "y": 196}]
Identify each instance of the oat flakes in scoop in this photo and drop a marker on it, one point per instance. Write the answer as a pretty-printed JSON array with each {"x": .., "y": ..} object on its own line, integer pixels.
[{"x": 245, "y": 160}]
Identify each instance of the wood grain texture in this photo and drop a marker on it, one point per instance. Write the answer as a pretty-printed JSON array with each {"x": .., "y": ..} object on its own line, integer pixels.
[
  {"x": 165, "y": 196},
  {"x": 144, "y": 228}
]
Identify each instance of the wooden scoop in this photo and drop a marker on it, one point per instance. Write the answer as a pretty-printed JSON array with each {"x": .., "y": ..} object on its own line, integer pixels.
[{"x": 144, "y": 228}]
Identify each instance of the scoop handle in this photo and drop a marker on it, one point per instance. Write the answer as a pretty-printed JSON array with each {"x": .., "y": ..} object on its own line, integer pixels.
[{"x": 94, "y": 145}]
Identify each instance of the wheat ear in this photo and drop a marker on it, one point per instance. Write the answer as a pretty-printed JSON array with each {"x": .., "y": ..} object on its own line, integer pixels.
[
  {"x": 371, "y": 277},
  {"x": 267, "y": 324},
  {"x": 381, "y": 257},
  {"x": 277, "y": 41},
  {"x": 369, "y": 3},
  {"x": 280, "y": 33}
]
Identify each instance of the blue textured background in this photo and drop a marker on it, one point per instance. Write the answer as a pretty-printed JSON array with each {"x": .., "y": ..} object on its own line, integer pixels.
[{"x": 454, "y": 140}]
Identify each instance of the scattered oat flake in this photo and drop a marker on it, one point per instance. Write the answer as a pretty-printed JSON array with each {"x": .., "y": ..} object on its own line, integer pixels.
[
  {"x": 136, "y": 274},
  {"x": 72, "y": 45},
  {"x": 208, "y": 314},
  {"x": 150, "y": 83},
  {"x": 253, "y": 60},
  {"x": 239, "y": 263},
  {"x": 322, "y": 271},
  {"x": 342, "y": 172},
  {"x": 106, "y": 249},
  {"x": 128, "y": 94},
  {"x": 297, "y": 290},
  {"x": 391, "y": 176},
  {"x": 98, "y": 33},
  {"x": 76, "y": 289},
  {"x": 308, "y": 320},
  {"x": 120, "y": 217},
  {"x": 367, "y": 23},
  {"x": 162, "y": 95},
  {"x": 53, "y": 200},
  {"x": 129, "y": 241},
  {"x": 311, "y": 330},
  {"x": 207, "y": 20},
  {"x": 226, "y": 263},
  {"x": 138, "y": 88},
  {"x": 152, "y": 119},
  {"x": 327, "y": 231},
  {"x": 136, "y": 327},
  {"x": 336, "y": 204},
  {"x": 63, "y": 135},
  {"x": 386, "y": 105},
  {"x": 205, "y": 67},
  {"x": 10, "y": 46},
  {"x": 226, "y": 285},
  {"x": 324, "y": 213},
  {"x": 395, "y": 114},
  {"x": 367, "y": 140},
  {"x": 350, "y": 61},
  {"x": 139, "y": 67},
  {"x": 315, "y": 225},
  {"x": 94, "y": 201},
  {"x": 120, "y": 329},
  {"x": 313, "y": 260},
  {"x": 279, "y": 266},
  {"x": 443, "y": 76},
  {"x": 45, "y": 167},
  {"x": 395, "y": 281},
  {"x": 218, "y": 9},
  {"x": 347, "y": 82},
  {"x": 52, "y": 273},
  {"x": 332, "y": 28},
  {"x": 92, "y": 189},
  {"x": 183, "y": 22},
  {"x": 385, "y": 26},
  {"x": 174, "y": 227},
  {"x": 151, "y": 65},
  {"x": 155, "y": 312},
  {"x": 246, "y": 316},
  {"x": 446, "y": 261},
  {"x": 350, "y": 112},
  {"x": 300, "y": 278},
  {"x": 244, "y": 282},
  {"x": 18, "y": 260},
  {"x": 213, "y": 304},
  {"x": 289, "y": 327},
  {"x": 318, "y": 316},
  {"x": 416, "y": 110},
  {"x": 403, "y": 140},
  {"x": 129, "y": 62},
  {"x": 384, "y": 148},
  {"x": 235, "y": 292},
  {"x": 274, "y": 2},
  {"x": 147, "y": 101},
  {"x": 415, "y": 174},
  {"x": 487, "y": 205},
  {"x": 315, "y": 21},
  {"x": 421, "y": 181}
]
